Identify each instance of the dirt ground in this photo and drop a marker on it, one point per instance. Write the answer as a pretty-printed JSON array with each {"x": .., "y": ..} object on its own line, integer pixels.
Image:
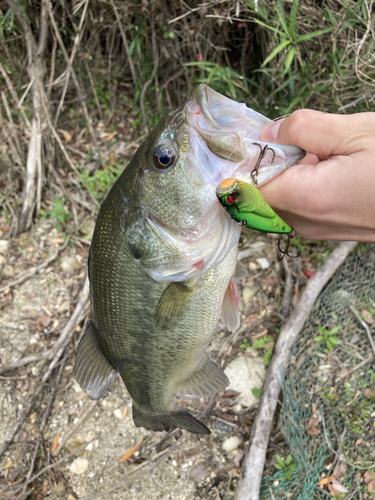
[{"x": 43, "y": 273}]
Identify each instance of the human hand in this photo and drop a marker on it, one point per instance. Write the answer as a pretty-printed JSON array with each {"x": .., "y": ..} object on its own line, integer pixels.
[{"x": 330, "y": 194}]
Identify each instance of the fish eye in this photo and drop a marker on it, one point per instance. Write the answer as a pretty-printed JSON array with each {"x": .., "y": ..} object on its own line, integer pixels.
[
  {"x": 231, "y": 198},
  {"x": 164, "y": 158}
]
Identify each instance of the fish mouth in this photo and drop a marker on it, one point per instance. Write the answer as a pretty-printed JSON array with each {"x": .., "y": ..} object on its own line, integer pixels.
[{"x": 225, "y": 139}]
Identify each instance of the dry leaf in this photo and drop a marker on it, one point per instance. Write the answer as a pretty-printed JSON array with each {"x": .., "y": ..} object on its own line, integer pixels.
[
  {"x": 199, "y": 473},
  {"x": 371, "y": 487},
  {"x": 369, "y": 476},
  {"x": 325, "y": 481},
  {"x": 55, "y": 443},
  {"x": 125, "y": 411},
  {"x": 5, "y": 228},
  {"x": 131, "y": 452},
  {"x": 367, "y": 316},
  {"x": 312, "y": 427},
  {"x": 230, "y": 393},
  {"x": 44, "y": 320},
  {"x": 238, "y": 458},
  {"x": 336, "y": 488},
  {"x": 343, "y": 373},
  {"x": 340, "y": 470},
  {"x": 67, "y": 135},
  {"x": 359, "y": 441},
  {"x": 9, "y": 464},
  {"x": 369, "y": 393}
]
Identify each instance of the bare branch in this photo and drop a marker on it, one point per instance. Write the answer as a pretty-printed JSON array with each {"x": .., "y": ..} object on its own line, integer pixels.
[{"x": 252, "y": 469}]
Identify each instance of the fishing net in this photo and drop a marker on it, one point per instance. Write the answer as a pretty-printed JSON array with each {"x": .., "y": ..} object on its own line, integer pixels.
[{"x": 328, "y": 412}]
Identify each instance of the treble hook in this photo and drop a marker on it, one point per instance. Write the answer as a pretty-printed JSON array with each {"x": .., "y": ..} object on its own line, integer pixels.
[
  {"x": 284, "y": 252},
  {"x": 262, "y": 154}
]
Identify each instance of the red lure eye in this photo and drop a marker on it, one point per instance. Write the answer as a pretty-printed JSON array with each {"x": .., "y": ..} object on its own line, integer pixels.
[{"x": 231, "y": 198}]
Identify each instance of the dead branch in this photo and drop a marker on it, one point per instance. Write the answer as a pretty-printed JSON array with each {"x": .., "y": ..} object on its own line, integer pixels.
[
  {"x": 27, "y": 274},
  {"x": 51, "y": 466},
  {"x": 14, "y": 94},
  {"x": 252, "y": 469},
  {"x": 56, "y": 351},
  {"x": 76, "y": 43},
  {"x": 364, "y": 324},
  {"x": 126, "y": 45},
  {"x": 70, "y": 433},
  {"x": 75, "y": 79},
  {"x": 285, "y": 306},
  {"x": 166, "y": 454},
  {"x": 44, "y": 421}
]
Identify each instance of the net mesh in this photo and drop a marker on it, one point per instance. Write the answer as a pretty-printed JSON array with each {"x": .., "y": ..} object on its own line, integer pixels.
[{"x": 329, "y": 390}]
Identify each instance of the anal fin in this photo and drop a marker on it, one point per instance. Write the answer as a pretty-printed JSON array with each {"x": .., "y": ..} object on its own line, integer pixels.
[
  {"x": 230, "y": 314},
  {"x": 92, "y": 370},
  {"x": 208, "y": 379}
]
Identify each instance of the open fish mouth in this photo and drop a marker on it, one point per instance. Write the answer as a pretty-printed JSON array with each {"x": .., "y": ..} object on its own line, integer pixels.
[{"x": 225, "y": 140}]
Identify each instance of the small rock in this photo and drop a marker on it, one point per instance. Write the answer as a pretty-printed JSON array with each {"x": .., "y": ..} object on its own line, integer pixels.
[
  {"x": 75, "y": 443},
  {"x": 8, "y": 271},
  {"x": 253, "y": 248},
  {"x": 4, "y": 245},
  {"x": 79, "y": 466},
  {"x": 263, "y": 262},
  {"x": 69, "y": 264},
  {"x": 248, "y": 293},
  {"x": 70, "y": 497},
  {"x": 118, "y": 413},
  {"x": 87, "y": 227},
  {"x": 253, "y": 266},
  {"x": 253, "y": 353},
  {"x": 24, "y": 240},
  {"x": 2, "y": 260},
  {"x": 231, "y": 443},
  {"x": 199, "y": 473},
  {"x": 60, "y": 489},
  {"x": 245, "y": 374}
]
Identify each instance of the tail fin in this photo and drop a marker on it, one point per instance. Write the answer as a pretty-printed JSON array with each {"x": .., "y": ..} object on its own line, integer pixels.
[{"x": 175, "y": 419}]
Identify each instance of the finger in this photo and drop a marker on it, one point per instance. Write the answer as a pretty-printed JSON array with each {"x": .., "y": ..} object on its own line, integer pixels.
[{"x": 322, "y": 134}]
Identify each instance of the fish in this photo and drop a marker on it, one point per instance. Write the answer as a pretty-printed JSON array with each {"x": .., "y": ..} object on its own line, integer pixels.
[
  {"x": 163, "y": 260},
  {"x": 246, "y": 205}
]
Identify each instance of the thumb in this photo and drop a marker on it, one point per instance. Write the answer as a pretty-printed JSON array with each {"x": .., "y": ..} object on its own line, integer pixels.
[{"x": 322, "y": 134}]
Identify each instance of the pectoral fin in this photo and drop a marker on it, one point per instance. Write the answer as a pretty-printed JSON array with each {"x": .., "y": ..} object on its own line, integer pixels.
[
  {"x": 172, "y": 304},
  {"x": 230, "y": 314},
  {"x": 241, "y": 271},
  {"x": 208, "y": 379},
  {"x": 92, "y": 370}
]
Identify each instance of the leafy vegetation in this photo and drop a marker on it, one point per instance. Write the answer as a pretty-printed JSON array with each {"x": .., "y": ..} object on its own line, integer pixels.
[
  {"x": 327, "y": 337},
  {"x": 286, "y": 465}
]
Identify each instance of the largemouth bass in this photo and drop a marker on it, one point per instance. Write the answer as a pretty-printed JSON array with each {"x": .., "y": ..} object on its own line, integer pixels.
[{"x": 163, "y": 259}]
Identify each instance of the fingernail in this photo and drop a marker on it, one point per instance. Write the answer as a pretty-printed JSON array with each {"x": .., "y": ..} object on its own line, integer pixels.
[{"x": 270, "y": 132}]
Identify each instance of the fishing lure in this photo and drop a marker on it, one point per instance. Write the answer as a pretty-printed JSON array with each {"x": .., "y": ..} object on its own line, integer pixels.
[{"x": 246, "y": 205}]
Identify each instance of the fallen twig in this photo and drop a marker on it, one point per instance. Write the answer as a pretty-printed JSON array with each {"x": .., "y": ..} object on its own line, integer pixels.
[
  {"x": 67, "y": 332},
  {"x": 27, "y": 274},
  {"x": 166, "y": 454},
  {"x": 365, "y": 326},
  {"x": 285, "y": 306},
  {"x": 25, "y": 494},
  {"x": 51, "y": 466},
  {"x": 70, "y": 433},
  {"x": 252, "y": 469}
]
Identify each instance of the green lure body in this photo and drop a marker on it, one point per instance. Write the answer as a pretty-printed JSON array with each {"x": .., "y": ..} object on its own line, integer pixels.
[{"x": 246, "y": 205}]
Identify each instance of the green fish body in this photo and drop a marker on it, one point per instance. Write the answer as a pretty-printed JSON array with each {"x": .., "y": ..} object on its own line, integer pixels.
[{"x": 163, "y": 261}]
